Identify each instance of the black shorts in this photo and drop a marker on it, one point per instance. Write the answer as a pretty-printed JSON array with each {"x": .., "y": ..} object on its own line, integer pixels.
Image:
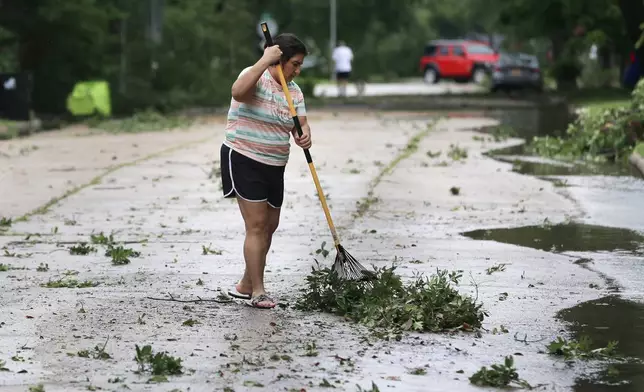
[
  {"x": 251, "y": 180},
  {"x": 342, "y": 75}
]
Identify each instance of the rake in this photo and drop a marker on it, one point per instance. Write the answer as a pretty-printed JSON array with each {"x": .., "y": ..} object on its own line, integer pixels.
[{"x": 345, "y": 265}]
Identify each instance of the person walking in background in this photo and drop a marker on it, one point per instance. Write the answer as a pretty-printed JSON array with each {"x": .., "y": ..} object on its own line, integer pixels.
[{"x": 342, "y": 57}]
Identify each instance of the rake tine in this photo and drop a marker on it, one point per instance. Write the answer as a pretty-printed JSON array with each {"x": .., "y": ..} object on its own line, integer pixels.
[{"x": 347, "y": 267}]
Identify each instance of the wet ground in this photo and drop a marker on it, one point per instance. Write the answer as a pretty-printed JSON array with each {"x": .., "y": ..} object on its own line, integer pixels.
[
  {"x": 608, "y": 238},
  {"x": 549, "y": 168},
  {"x": 565, "y": 237},
  {"x": 611, "y": 318},
  {"x": 389, "y": 181},
  {"x": 544, "y": 117}
]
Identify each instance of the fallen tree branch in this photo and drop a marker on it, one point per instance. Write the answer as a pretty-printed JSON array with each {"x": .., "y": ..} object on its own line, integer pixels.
[
  {"x": 525, "y": 339},
  {"x": 199, "y": 299}
]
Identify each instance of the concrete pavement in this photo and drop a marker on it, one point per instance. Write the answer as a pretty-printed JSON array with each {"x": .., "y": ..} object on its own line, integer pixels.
[
  {"x": 161, "y": 201},
  {"x": 38, "y": 169}
]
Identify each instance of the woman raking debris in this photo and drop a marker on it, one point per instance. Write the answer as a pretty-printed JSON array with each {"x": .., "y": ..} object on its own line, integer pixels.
[
  {"x": 255, "y": 152},
  {"x": 264, "y": 110}
]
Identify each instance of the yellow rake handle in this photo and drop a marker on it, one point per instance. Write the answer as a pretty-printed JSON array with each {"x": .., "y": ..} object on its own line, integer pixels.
[{"x": 298, "y": 127}]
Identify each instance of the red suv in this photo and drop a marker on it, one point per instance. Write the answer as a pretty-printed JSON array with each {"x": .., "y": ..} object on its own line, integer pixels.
[{"x": 458, "y": 60}]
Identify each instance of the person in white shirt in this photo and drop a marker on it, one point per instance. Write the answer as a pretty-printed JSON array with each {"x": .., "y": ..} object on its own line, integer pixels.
[{"x": 342, "y": 56}]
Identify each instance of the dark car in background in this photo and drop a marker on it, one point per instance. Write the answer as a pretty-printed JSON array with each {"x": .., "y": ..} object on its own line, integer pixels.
[
  {"x": 458, "y": 60},
  {"x": 516, "y": 71}
]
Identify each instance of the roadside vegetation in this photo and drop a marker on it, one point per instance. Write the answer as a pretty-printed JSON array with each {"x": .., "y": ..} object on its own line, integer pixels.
[
  {"x": 142, "y": 121},
  {"x": 606, "y": 134},
  {"x": 599, "y": 98},
  {"x": 8, "y": 129},
  {"x": 639, "y": 149}
]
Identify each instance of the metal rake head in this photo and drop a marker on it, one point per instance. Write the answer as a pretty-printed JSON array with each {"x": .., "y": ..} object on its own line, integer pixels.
[{"x": 348, "y": 268}]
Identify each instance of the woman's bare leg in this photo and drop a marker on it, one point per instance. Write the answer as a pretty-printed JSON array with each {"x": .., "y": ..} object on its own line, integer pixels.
[{"x": 261, "y": 221}]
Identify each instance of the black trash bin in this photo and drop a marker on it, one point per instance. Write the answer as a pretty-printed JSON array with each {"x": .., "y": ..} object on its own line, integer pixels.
[{"x": 15, "y": 96}]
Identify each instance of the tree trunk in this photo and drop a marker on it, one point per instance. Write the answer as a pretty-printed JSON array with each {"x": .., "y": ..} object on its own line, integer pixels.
[
  {"x": 622, "y": 66},
  {"x": 604, "y": 55},
  {"x": 565, "y": 81}
]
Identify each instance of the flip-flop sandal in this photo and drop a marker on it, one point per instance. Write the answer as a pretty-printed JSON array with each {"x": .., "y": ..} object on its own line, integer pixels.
[
  {"x": 234, "y": 293},
  {"x": 255, "y": 302}
]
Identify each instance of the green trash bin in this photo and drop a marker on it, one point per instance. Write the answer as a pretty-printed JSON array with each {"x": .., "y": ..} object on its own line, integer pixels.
[{"x": 90, "y": 97}]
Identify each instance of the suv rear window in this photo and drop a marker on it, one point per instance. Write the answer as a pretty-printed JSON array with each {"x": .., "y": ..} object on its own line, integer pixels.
[
  {"x": 430, "y": 50},
  {"x": 509, "y": 59},
  {"x": 529, "y": 60},
  {"x": 479, "y": 49}
]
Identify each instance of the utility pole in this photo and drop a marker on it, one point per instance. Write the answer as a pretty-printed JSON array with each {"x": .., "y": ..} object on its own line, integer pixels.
[
  {"x": 332, "y": 35},
  {"x": 123, "y": 64}
]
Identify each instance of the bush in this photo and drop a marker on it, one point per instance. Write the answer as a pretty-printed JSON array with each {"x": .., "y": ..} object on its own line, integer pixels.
[
  {"x": 638, "y": 96},
  {"x": 598, "y": 135},
  {"x": 639, "y": 149},
  {"x": 566, "y": 70}
]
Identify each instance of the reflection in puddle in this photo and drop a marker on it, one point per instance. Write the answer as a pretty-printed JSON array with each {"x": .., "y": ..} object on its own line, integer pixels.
[
  {"x": 544, "y": 118},
  {"x": 566, "y": 237},
  {"x": 603, "y": 320},
  {"x": 541, "y": 167},
  {"x": 544, "y": 168}
]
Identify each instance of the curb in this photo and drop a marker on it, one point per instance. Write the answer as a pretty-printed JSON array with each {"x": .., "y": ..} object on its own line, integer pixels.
[
  {"x": 637, "y": 160},
  {"x": 20, "y": 129}
]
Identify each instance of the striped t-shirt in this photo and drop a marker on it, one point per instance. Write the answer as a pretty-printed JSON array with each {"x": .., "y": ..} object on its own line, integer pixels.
[{"x": 261, "y": 129}]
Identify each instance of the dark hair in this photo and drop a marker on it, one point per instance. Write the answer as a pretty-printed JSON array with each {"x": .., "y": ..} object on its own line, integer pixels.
[{"x": 290, "y": 46}]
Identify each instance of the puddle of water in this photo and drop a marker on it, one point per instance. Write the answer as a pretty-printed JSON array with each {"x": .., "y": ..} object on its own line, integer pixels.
[
  {"x": 566, "y": 237},
  {"x": 540, "y": 120},
  {"x": 518, "y": 149},
  {"x": 603, "y": 320},
  {"x": 542, "y": 167}
]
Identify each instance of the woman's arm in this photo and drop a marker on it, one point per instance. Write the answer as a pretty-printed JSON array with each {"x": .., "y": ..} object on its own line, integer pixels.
[{"x": 244, "y": 87}]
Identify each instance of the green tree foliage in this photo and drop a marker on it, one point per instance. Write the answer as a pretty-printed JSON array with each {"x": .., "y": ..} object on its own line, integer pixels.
[
  {"x": 570, "y": 26},
  {"x": 8, "y": 51},
  {"x": 206, "y": 43},
  {"x": 204, "y": 48},
  {"x": 58, "y": 42},
  {"x": 387, "y": 36},
  {"x": 61, "y": 42}
]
